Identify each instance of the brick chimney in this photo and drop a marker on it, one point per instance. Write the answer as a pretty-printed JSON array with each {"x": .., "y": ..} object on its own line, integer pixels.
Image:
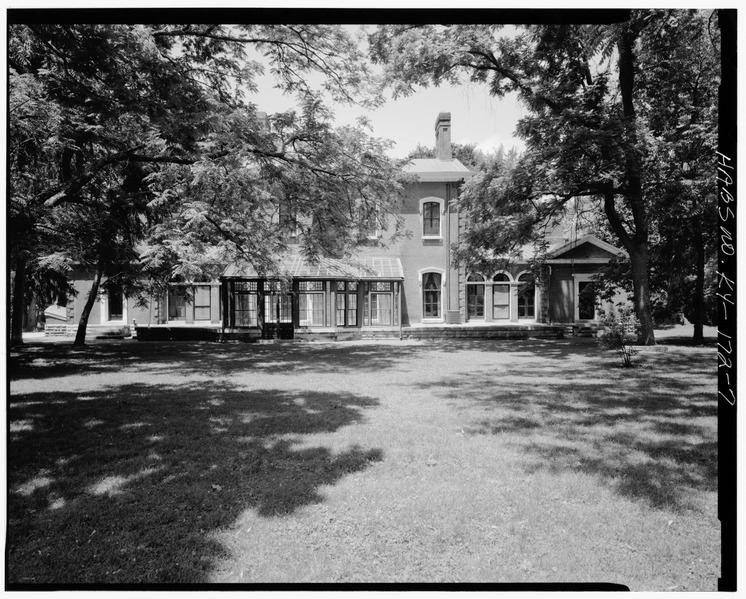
[
  {"x": 263, "y": 120},
  {"x": 443, "y": 136}
]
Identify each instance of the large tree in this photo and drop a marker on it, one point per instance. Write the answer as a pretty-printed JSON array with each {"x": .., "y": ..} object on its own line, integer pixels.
[
  {"x": 587, "y": 132},
  {"x": 678, "y": 87},
  {"x": 136, "y": 151}
]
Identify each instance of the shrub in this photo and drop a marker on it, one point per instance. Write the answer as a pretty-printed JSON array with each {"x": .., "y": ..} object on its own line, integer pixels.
[{"x": 621, "y": 331}]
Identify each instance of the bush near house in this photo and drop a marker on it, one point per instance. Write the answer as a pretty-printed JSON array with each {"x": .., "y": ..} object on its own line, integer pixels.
[{"x": 621, "y": 330}]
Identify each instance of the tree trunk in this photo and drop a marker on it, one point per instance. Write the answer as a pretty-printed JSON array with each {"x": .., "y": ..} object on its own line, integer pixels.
[
  {"x": 637, "y": 249},
  {"x": 639, "y": 263},
  {"x": 92, "y": 295},
  {"x": 637, "y": 243},
  {"x": 699, "y": 287},
  {"x": 18, "y": 304}
]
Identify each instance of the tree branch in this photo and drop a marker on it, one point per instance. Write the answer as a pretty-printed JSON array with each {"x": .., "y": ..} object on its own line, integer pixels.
[
  {"x": 616, "y": 222},
  {"x": 526, "y": 89}
]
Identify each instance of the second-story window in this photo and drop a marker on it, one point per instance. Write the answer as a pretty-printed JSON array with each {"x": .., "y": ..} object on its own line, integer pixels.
[
  {"x": 288, "y": 221},
  {"x": 370, "y": 225},
  {"x": 431, "y": 219}
]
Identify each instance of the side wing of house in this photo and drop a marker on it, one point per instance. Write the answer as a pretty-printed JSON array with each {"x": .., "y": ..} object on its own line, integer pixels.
[
  {"x": 569, "y": 290},
  {"x": 184, "y": 304}
]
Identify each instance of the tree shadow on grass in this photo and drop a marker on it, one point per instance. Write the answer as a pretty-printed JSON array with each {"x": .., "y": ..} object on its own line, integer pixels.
[
  {"x": 648, "y": 433},
  {"x": 546, "y": 348},
  {"x": 47, "y": 360},
  {"x": 128, "y": 484}
]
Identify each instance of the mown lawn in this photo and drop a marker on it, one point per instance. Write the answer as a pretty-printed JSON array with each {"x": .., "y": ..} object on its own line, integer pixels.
[{"x": 521, "y": 461}]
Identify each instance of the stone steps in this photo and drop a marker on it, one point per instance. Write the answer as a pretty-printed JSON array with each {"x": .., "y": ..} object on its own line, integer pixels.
[
  {"x": 581, "y": 330},
  {"x": 60, "y": 330}
]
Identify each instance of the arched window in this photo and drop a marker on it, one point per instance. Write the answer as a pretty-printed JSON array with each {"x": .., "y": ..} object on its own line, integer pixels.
[
  {"x": 501, "y": 297},
  {"x": 475, "y": 296},
  {"x": 431, "y": 295},
  {"x": 526, "y": 296}
]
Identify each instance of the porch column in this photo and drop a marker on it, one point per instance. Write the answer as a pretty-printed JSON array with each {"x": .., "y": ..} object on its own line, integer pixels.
[
  {"x": 488, "y": 301},
  {"x": 189, "y": 308},
  {"x": 398, "y": 303},
  {"x": 225, "y": 312},
  {"x": 514, "y": 303}
]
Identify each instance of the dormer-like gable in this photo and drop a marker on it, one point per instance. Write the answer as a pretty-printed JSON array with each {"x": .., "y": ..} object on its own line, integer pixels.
[{"x": 585, "y": 249}]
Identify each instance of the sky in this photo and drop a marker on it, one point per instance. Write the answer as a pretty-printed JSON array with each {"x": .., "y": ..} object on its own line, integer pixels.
[{"x": 476, "y": 116}]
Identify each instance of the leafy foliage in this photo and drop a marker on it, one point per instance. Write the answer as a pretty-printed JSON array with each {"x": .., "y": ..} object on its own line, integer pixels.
[
  {"x": 621, "y": 330},
  {"x": 620, "y": 114},
  {"x": 469, "y": 155},
  {"x": 137, "y": 153}
]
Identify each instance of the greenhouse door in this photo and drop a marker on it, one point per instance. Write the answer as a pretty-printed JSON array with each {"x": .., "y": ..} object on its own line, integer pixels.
[{"x": 278, "y": 316}]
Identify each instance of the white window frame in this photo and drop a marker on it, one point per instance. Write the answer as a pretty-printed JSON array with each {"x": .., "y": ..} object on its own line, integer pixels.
[
  {"x": 483, "y": 283},
  {"x": 577, "y": 279},
  {"x": 442, "y": 209},
  {"x": 376, "y": 233},
  {"x": 313, "y": 294},
  {"x": 104, "y": 306},
  {"x": 443, "y": 287},
  {"x": 503, "y": 272},
  {"x": 510, "y": 283},
  {"x": 194, "y": 302},
  {"x": 536, "y": 296}
]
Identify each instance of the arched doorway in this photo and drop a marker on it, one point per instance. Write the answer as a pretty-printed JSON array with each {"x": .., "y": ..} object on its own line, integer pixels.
[
  {"x": 501, "y": 297},
  {"x": 526, "y": 296},
  {"x": 431, "y": 295},
  {"x": 475, "y": 297}
]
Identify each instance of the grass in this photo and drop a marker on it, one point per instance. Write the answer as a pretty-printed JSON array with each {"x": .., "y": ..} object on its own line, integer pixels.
[{"x": 488, "y": 461}]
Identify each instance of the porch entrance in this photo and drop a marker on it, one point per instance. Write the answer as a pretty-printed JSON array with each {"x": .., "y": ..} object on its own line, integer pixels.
[{"x": 278, "y": 315}]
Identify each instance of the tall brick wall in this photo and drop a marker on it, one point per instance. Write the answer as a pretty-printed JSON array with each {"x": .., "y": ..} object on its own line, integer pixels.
[{"x": 417, "y": 254}]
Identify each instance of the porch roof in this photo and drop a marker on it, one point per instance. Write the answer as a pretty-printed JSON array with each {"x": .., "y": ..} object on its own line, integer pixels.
[{"x": 367, "y": 267}]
